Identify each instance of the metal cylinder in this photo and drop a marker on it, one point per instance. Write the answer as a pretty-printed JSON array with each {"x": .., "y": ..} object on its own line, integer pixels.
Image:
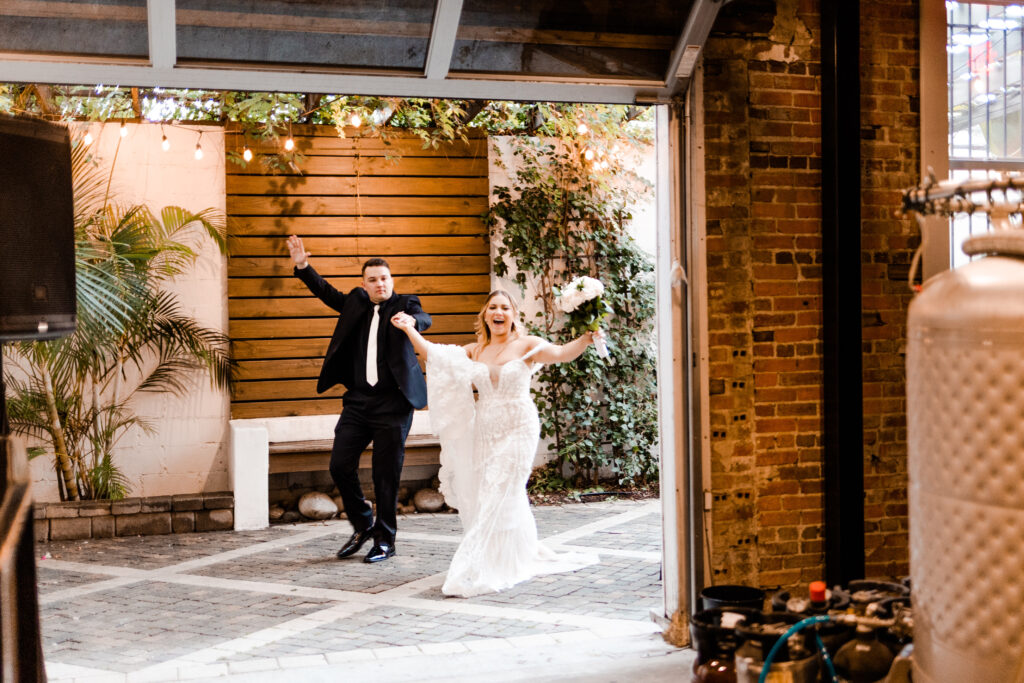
[{"x": 965, "y": 438}]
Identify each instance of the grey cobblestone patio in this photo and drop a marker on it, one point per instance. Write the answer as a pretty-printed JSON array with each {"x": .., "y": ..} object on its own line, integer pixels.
[{"x": 276, "y": 605}]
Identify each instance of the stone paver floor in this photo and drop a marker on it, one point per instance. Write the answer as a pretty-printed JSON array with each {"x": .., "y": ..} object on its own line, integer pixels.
[{"x": 276, "y": 605}]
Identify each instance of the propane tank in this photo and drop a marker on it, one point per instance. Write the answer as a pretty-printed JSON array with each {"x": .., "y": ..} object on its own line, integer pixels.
[
  {"x": 796, "y": 661},
  {"x": 965, "y": 439},
  {"x": 864, "y": 659}
]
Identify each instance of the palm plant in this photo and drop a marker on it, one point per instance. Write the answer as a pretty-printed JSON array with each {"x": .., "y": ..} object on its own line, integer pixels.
[{"x": 75, "y": 394}]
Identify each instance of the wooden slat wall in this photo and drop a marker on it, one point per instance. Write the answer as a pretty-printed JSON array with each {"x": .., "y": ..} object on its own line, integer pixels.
[{"x": 354, "y": 198}]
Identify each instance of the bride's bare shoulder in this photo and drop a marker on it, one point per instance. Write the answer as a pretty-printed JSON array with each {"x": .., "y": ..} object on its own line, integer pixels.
[
  {"x": 533, "y": 342},
  {"x": 470, "y": 349}
]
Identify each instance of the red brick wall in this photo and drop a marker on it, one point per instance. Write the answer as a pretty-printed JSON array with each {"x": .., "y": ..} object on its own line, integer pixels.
[
  {"x": 763, "y": 141},
  {"x": 890, "y": 149}
]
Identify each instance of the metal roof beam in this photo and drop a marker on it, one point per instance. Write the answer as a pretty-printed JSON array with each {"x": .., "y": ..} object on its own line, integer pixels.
[
  {"x": 442, "y": 38},
  {"x": 691, "y": 41},
  {"x": 20, "y": 70},
  {"x": 163, "y": 46}
]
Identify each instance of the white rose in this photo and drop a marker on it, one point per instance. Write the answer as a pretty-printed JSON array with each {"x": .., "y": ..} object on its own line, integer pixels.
[
  {"x": 591, "y": 288},
  {"x": 577, "y": 291}
]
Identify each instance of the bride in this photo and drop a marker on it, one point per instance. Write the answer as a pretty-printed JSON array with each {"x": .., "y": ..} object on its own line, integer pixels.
[{"x": 488, "y": 446}]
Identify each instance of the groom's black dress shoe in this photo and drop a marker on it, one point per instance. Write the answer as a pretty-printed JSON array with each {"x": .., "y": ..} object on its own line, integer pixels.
[
  {"x": 379, "y": 552},
  {"x": 353, "y": 544}
]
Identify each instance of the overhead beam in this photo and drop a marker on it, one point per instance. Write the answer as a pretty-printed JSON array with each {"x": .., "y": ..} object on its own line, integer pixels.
[
  {"x": 13, "y": 69},
  {"x": 163, "y": 51},
  {"x": 691, "y": 42},
  {"x": 442, "y": 38}
]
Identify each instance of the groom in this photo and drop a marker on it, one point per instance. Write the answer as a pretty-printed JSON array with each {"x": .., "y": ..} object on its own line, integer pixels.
[{"x": 383, "y": 382}]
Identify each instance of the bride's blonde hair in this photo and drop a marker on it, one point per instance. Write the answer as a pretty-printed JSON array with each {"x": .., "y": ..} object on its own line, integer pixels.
[{"x": 483, "y": 333}]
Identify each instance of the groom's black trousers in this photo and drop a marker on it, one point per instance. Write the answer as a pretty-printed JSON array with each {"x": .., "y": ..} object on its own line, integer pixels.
[{"x": 356, "y": 428}]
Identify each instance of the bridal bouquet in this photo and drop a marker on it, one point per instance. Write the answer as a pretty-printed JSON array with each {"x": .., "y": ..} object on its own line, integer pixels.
[{"x": 584, "y": 295}]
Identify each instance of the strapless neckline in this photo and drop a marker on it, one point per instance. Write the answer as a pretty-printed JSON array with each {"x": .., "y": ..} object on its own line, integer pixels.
[{"x": 495, "y": 385}]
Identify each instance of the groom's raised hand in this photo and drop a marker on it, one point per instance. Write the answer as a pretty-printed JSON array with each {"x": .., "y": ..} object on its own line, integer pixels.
[{"x": 300, "y": 257}]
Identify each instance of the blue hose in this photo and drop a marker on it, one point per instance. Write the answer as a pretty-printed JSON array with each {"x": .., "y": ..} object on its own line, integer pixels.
[
  {"x": 799, "y": 626},
  {"x": 832, "y": 676}
]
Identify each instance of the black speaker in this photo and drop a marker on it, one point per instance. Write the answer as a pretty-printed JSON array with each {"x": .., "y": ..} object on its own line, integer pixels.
[{"x": 37, "y": 231}]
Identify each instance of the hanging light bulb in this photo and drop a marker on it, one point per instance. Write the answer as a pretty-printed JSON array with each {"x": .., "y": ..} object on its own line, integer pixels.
[
  {"x": 289, "y": 144},
  {"x": 588, "y": 154},
  {"x": 247, "y": 154},
  {"x": 165, "y": 144},
  {"x": 355, "y": 121},
  {"x": 124, "y": 129},
  {"x": 199, "y": 151},
  {"x": 87, "y": 140},
  {"x": 582, "y": 129}
]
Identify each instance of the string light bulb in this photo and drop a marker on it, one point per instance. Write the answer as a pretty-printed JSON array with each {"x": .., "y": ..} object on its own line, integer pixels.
[
  {"x": 356, "y": 121},
  {"x": 199, "y": 151},
  {"x": 124, "y": 129},
  {"x": 87, "y": 140},
  {"x": 588, "y": 154},
  {"x": 165, "y": 144},
  {"x": 289, "y": 144},
  {"x": 582, "y": 129},
  {"x": 247, "y": 154}
]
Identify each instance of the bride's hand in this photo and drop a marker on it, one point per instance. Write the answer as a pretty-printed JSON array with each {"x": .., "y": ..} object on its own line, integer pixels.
[
  {"x": 403, "y": 321},
  {"x": 596, "y": 335}
]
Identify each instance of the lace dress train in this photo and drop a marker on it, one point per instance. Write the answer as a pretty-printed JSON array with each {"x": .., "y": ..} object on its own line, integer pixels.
[{"x": 487, "y": 452}]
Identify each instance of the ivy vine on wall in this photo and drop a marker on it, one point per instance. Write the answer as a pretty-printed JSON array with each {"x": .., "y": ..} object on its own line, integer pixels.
[{"x": 564, "y": 216}]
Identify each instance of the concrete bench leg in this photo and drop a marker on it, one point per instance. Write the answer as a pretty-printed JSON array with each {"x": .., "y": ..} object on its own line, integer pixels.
[{"x": 249, "y": 470}]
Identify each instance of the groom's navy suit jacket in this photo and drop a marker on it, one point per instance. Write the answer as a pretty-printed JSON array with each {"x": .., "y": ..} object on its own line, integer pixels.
[{"x": 353, "y": 308}]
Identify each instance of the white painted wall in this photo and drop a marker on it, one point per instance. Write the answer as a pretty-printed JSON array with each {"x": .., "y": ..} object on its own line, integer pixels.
[
  {"x": 188, "y": 452},
  {"x": 501, "y": 168}
]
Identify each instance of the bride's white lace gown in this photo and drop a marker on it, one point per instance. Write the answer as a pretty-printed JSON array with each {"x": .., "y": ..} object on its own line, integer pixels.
[{"x": 487, "y": 452}]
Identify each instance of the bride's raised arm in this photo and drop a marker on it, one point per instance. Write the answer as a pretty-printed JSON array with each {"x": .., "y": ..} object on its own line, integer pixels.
[{"x": 560, "y": 353}]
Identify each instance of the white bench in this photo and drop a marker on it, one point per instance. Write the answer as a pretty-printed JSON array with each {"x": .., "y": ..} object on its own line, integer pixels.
[{"x": 264, "y": 446}]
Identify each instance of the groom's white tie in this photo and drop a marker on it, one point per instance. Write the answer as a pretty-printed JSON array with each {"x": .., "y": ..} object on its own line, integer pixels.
[{"x": 371, "y": 348}]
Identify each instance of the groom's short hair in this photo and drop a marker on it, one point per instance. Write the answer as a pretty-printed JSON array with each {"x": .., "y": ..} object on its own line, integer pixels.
[{"x": 375, "y": 261}]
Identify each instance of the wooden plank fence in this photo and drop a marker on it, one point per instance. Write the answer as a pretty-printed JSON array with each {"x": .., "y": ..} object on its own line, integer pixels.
[{"x": 352, "y": 198}]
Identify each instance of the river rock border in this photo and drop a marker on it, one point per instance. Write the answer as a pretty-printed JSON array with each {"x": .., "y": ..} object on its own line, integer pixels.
[{"x": 178, "y": 514}]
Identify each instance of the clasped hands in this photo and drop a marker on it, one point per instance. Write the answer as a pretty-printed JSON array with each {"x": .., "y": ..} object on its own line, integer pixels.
[{"x": 403, "y": 321}]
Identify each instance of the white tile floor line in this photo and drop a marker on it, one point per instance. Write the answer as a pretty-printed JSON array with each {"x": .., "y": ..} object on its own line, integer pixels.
[
  {"x": 645, "y": 555},
  {"x": 79, "y": 591},
  {"x": 457, "y": 606},
  {"x": 417, "y": 536},
  {"x": 328, "y": 529},
  {"x": 269, "y": 588},
  {"x": 606, "y": 523},
  {"x": 259, "y": 638},
  {"x": 93, "y": 568}
]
